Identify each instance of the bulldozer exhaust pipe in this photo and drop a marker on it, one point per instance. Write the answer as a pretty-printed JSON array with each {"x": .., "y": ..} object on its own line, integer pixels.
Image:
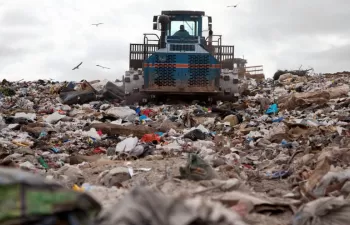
[
  {"x": 210, "y": 42},
  {"x": 210, "y": 38},
  {"x": 163, "y": 20}
]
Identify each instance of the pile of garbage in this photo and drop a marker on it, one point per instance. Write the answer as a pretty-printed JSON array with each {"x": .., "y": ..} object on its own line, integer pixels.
[
  {"x": 299, "y": 72},
  {"x": 279, "y": 155}
]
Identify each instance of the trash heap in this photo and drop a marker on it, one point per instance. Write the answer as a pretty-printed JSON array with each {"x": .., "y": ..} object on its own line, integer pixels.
[{"x": 278, "y": 156}]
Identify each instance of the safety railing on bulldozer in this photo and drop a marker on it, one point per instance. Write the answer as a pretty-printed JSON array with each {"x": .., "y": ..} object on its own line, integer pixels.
[
  {"x": 256, "y": 72},
  {"x": 140, "y": 52},
  {"x": 223, "y": 53}
]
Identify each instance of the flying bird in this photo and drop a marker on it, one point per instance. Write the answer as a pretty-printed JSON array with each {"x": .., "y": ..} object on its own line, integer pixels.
[
  {"x": 96, "y": 24},
  {"x": 103, "y": 67},
  {"x": 234, "y": 6},
  {"x": 77, "y": 67}
]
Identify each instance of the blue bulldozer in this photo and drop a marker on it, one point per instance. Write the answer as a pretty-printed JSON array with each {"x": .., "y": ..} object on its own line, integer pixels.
[{"x": 181, "y": 61}]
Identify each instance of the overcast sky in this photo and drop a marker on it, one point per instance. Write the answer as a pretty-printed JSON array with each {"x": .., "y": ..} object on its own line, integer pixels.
[{"x": 47, "y": 38}]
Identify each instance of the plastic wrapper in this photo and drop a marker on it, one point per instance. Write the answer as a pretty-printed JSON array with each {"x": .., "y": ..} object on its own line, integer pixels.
[{"x": 30, "y": 199}]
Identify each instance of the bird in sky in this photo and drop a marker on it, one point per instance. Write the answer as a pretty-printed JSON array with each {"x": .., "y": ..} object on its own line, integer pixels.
[
  {"x": 103, "y": 67},
  {"x": 96, "y": 24},
  {"x": 77, "y": 67},
  {"x": 234, "y": 6}
]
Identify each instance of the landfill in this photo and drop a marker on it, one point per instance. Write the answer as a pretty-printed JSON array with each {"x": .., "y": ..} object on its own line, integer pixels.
[{"x": 75, "y": 152}]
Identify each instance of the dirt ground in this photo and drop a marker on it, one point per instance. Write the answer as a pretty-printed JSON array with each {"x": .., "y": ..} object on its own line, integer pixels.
[
  {"x": 162, "y": 177},
  {"x": 167, "y": 168},
  {"x": 156, "y": 174}
]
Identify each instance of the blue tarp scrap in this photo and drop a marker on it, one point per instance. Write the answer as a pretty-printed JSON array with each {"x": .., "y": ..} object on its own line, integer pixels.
[
  {"x": 279, "y": 174},
  {"x": 286, "y": 144},
  {"x": 277, "y": 120}
]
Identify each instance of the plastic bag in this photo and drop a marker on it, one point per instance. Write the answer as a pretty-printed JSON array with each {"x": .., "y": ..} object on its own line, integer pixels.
[
  {"x": 121, "y": 112},
  {"x": 126, "y": 145},
  {"x": 77, "y": 97},
  {"x": 28, "y": 116},
  {"x": 148, "y": 138},
  {"x": 54, "y": 118},
  {"x": 44, "y": 202},
  {"x": 324, "y": 211},
  {"x": 195, "y": 135},
  {"x": 273, "y": 109},
  {"x": 112, "y": 91},
  {"x": 197, "y": 169}
]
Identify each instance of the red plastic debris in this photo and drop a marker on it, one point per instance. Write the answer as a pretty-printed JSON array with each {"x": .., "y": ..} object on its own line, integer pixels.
[
  {"x": 99, "y": 150},
  {"x": 241, "y": 208},
  {"x": 148, "y": 138},
  {"x": 146, "y": 112}
]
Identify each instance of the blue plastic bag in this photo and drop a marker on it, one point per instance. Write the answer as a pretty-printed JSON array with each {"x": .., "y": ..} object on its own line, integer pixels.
[
  {"x": 272, "y": 109},
  {"x": 138, "y": 110},
  {"x": 143, "y": 117},
  {"x": 159, "y": 133},
  {"x": 55, "y": 150}
]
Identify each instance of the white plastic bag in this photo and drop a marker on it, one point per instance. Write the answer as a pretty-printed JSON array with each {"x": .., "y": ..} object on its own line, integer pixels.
[
  {"x": 28, "y": 116},
  {"x": 121, "y": 112},
  {"x": 127, "y": 145},
  {"x": 92, "y": 133},
  {"x": 54, "y": 117}
]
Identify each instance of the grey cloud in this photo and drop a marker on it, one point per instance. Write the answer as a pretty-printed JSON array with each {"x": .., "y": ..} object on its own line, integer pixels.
[
  {"x": 17, "y": 47},
  {"x": 20, "y": 33},
  {"x": 87, "y": 70},
  {"x": 285, "y": 19},
  {"x": 108, "y": 50},
  {"x": 332, "y": 60},
  {"x": 296, "y": 25},
  {"x": 13, "y": 36},
  {"x": 335, "y": 54},
  {"x": 20, "y": 17},
  {"x": 278, "y": 34},
  {"x": 9, "y": 56}
]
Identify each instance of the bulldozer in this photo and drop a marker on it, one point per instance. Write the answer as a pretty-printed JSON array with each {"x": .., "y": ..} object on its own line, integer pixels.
[{"x": 181, "y": 61}]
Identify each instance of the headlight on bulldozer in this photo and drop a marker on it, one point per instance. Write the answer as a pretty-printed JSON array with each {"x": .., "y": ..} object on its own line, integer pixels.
[{"x": 226, "y": 78}]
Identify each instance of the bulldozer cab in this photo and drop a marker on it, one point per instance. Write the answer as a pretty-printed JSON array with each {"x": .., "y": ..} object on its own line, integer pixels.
[
  {"x": 193, "y": 23},
  {"x": 190, "y": 21}
]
